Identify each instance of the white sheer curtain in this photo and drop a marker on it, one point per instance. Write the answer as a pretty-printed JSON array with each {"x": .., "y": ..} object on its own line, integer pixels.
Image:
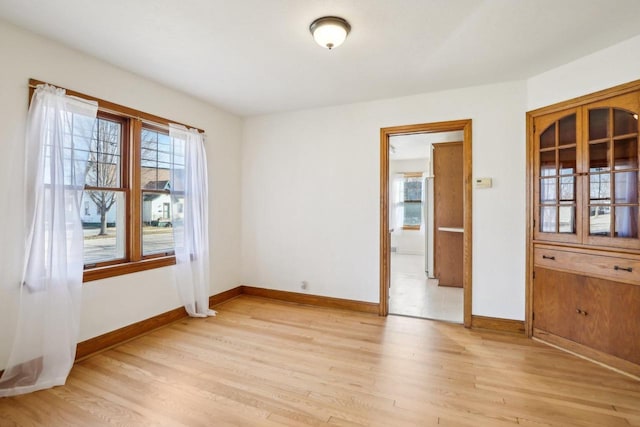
[
  {"x": 59, "y": 129},
  {"x": 189, "y": 196}
]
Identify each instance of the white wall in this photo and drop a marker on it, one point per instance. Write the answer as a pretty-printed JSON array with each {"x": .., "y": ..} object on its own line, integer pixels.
[
  {"x": 119, "y": 301},
  {"x": 310, "y": 194},
  {"x": 609, "y": 67},
  {"x": 408, "y": 165}
]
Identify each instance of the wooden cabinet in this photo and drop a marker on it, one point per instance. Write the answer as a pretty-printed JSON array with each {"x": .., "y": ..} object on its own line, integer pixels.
[
  {"x": 586, "y": 174},
  {"x": 584, "y": 165},
  {"x": 597, "y": 313},
  {"x": 448, "y": 213}
]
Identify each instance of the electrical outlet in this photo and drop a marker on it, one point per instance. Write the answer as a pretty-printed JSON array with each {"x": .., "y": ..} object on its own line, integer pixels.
[{"x": 304, "y": 284}]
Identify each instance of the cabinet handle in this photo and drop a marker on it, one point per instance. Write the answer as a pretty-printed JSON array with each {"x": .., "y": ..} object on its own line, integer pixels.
[
  {"x": 552, "y": 258},
  {"x": 617, "y": 267},
  {"x": 584, "y": 313}
]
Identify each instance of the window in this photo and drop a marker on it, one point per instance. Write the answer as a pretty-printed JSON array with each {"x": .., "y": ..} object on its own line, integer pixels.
[
  {"x": 412, "y": 190},
  {"x": 125, "y": 151},
  {"x": 158, "y": 155},
  {"x": 128, "y": 212},
  {"x": 106, "y": 189}
]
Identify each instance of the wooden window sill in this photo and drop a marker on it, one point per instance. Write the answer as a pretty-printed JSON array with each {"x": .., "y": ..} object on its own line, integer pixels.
[{"x": 126, "y": 268}]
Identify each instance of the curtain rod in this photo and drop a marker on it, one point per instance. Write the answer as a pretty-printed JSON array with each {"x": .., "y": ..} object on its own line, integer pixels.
[{"x": 82, "y": 97}]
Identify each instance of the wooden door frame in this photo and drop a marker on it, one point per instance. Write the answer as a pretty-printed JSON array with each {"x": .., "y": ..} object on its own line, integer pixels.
[{"x": 385, "y": 240}]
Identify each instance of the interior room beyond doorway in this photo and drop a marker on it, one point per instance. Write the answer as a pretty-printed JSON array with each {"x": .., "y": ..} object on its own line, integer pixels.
[{"x": 414, "y": 288}]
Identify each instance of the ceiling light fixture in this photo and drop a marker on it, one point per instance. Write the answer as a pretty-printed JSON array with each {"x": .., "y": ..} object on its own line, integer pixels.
[{"x": 329, "y": 31}]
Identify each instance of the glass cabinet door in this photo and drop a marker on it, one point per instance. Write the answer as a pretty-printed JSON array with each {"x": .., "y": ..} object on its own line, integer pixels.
[
  {"x": 556, "y": 181},
  {"x": 611, "y": 148}
]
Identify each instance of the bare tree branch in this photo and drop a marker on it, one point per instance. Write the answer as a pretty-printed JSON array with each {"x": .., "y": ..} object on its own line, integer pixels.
[{"x": 103, "y": 167}]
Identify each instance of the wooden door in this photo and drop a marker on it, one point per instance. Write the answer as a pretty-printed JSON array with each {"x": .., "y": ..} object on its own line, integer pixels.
[{"x": 448, "y": 206}]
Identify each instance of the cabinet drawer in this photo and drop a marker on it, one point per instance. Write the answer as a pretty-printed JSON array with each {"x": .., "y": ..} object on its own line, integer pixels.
[{"x": 625, "y": 269}]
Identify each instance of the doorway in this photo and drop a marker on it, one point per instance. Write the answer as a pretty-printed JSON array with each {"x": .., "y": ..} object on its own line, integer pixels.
[
  {"x": 407, "y": 234},
  {"x": 426, "y": 225}
]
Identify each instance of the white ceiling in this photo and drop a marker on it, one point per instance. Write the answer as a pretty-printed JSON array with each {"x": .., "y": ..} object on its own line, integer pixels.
[
  {"x": 418, "y": 145},
  {"x": 257, "y": 56}
]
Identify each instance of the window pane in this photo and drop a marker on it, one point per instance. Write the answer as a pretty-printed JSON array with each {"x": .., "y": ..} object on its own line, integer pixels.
[
  {"x": 77, "y": 132},
  {"x": 149, "y": 178},
  {"x": 626, "y": 184},
  {"x": 157, "y": 223},
  {"x": 548, "y": 137},
  {"x": 599, "y": 157},
  {"x": 103, "y": 221},
  {"x": 567, "y": 130},
  {"x": 598, "y": 123},
  {"x": 600, "y": 188},
  {"x": 412, "y": 213},
  {"x": 149, "y": 145},
  {"x": 567, "y": 219},
  {"x": 103, "y": 168},
  {"x": 567, "y": 161},
  {"x": 548, "y": 190},
  {"x": 600, "y": 220},
  {"x": 158, "y": 155},
  {"x": 413, "y": 189},
  {"x": 626, "y": 154},
  {"x": 548, "y": 219},
  {"x": 164, "y": 148},
  {"x": 567, "y": 188},
  {"x": 548, "y": 163},
  {"x": 627, "y": 221},
  {"x": 624, "y": 122}
]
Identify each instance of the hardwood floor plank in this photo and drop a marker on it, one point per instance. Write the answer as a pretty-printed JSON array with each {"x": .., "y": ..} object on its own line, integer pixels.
[{"x": 269, "y": 363}]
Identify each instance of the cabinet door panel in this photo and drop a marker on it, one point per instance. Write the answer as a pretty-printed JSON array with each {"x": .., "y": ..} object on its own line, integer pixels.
[
  {"x": 611, "y": 192},
  {"x": 555, "y": 299},
  {"x": 593, "y": 307},
  {"x": 557, "y": 164},
  {"x": 623, "y": 319}
]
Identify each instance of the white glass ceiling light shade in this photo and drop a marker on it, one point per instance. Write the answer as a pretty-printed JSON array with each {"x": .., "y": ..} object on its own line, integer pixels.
[{"x": 329, "y": 31}]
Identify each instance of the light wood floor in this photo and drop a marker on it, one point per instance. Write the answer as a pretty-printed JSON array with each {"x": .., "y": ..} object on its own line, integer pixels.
[{"x": 262, "y": 362}]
